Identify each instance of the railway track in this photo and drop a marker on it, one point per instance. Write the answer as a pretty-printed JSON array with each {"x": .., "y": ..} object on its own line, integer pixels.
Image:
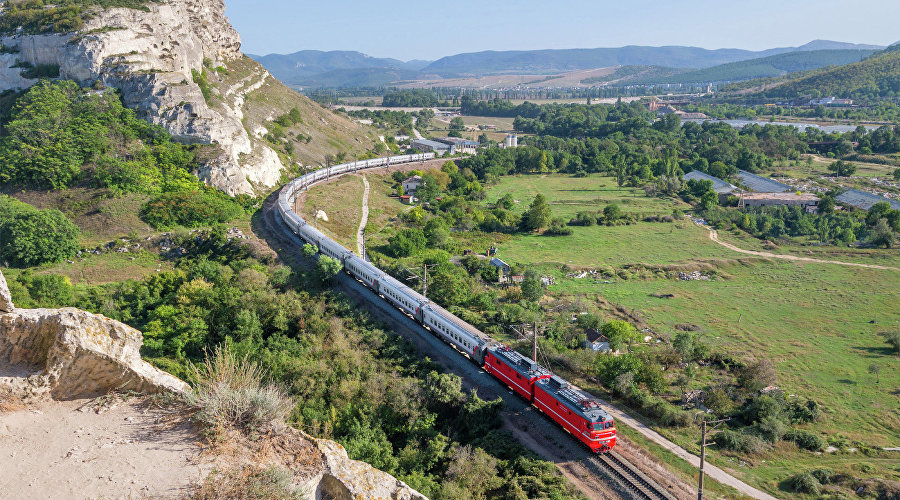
[{"x": 631, "y": 477}]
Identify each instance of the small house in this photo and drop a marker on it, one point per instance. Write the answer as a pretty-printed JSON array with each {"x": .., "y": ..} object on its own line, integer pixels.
[
  {"x": 501, "y": 266},
  {"x": 412, "y": 184},
  {"x": 596, "y": 341}
]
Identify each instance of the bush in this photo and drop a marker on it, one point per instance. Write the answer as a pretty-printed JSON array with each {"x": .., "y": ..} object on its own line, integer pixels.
[
  {"x": 558, "y": 228},
  {"x": 229, "y": 392},
  {"x": 190, "y": 209},
  {"x": 805, "y": 483},
  {"x": 407, "y": 242},
  {"x": 50, "y": 290},
  {"x": 739, "y": 442},
  {"x": 806, "y": 440},
  {"x": 31, "y": 237},
  {"x": 770, "y": 428}
]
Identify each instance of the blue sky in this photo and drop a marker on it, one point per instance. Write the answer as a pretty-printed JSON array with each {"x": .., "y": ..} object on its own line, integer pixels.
[{"x": 408, "y": 29}]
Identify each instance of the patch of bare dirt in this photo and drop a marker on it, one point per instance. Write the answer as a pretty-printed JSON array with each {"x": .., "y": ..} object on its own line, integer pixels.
[{"x": 109, "y": 447}]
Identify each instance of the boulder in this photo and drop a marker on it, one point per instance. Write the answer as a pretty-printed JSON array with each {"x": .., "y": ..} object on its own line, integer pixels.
[
  {"x": 344, "y": 479},
  {"x": 69, "y": 353}
]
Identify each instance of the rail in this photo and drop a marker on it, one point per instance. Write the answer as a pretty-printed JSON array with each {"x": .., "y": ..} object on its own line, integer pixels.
[{"x": 631, "y": 476}]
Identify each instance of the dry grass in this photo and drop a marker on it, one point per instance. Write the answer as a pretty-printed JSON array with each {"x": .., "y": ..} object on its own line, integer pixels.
[
  {"x": 10, "y": 402},
  {"x": 248, "y": 482},
  {"x": 230, "y": 393}
]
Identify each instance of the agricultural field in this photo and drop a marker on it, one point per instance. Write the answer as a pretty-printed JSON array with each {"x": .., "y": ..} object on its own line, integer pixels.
[{"x": 819, "y": 323}]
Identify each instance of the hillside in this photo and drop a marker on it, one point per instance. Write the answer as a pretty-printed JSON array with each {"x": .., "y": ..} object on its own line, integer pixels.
[
  {"x": 179, "y": 65},
  {"x": 555, "y": 61},
  {"x": 772, "y": 66},
  {"x": 875, "y": 77},
  {"x": 336, "y": 68}
]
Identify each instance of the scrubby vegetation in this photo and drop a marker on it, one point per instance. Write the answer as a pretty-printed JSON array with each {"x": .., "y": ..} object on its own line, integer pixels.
[
  {"x": 59, "y": 16},
  {"x": 31, "y": 237},
  {"x": 59, "y": 135}
]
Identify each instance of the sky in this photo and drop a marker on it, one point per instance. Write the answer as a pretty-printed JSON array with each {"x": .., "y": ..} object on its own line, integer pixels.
[{"x": 426, "y": 29}]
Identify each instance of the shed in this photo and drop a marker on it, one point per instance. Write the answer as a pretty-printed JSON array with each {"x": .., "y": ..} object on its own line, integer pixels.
[
  {"x": 863, "y": 200},
  {"x": 502, "y": 266},
  {"x": 762, "y": 184},
  {"x": 596, "y": 341}
]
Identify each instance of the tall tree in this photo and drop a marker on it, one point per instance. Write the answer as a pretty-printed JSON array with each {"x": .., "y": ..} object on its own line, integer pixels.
[{"x": 538, "y": 215}]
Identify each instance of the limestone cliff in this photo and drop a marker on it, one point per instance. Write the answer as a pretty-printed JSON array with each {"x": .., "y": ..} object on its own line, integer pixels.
[{"x": 179, "y": 65}]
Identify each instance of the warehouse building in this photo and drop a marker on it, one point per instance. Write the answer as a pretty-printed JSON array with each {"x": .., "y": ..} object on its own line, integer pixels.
[
  {"x": 761, "y": 184},
  {"x": 721, "y": 187},
  {"x": 863, "y": 200},
  {"x": 429, "y": 146}
]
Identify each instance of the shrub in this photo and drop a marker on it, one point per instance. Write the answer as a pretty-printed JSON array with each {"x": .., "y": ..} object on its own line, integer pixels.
[
  {"x": 739, "y": 442},
  {"x": 229, "y": 392},
  {"x": 805, "y": 483},
  {"x": 327, "y": 268},
  {"x": 770, "y": 428},
  {"x": 190, "y": 209},
  {"x": 31, "y": 237},
  {"x": 761, "y": 408},
  {"x": 50, "y": 290},
  {"x": 806, "y": 440},
  {"x": 407, "y": 242}
]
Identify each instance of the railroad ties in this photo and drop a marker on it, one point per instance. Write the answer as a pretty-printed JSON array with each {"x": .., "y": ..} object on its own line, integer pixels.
[{"x": 634, "y": 479}]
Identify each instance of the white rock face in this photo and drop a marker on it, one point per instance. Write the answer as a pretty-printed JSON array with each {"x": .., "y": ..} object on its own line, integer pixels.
[
  {"x": 341, "y": 478},
  {"x": 69, "y": 353},
  {"x": 149, "y": 56},
  {"x": 6, "y": 303}
]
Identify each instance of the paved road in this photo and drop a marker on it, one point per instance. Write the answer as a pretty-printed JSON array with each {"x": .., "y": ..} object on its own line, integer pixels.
[{"x": 360, "y": 233}]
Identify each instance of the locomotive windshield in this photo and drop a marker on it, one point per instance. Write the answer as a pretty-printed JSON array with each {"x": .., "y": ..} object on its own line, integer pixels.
[{"x": 599, "y": 426}]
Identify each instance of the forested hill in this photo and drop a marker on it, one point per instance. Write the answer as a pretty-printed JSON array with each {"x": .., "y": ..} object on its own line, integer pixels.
[
  {"x": 766, "y": 67},
  {"x": 876, "y": 77}
]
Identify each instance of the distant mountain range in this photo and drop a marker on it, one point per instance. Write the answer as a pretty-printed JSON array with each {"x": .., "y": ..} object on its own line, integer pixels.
[{"x": 313, "y": 68}]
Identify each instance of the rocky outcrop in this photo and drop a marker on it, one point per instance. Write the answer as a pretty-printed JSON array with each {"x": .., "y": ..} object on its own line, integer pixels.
[
  {"x": 344, "y": 479},
  {"x": 69, "y": 353},
  {"x": 152, "y": 57},
  {"x": 6, "y": 303}
]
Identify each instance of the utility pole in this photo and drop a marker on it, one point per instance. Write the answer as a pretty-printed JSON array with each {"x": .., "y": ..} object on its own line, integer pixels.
[
  {"x": 424, "y": 280},
  {"x": 534, "y": 347},
  {"x": 703, "y": 444}
]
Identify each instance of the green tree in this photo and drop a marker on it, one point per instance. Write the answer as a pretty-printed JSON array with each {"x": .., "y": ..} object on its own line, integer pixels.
[
  {"x": 407, "y": 242},
  {"x": 50, "y": 290},
  {"x": 882, "y": 234},
  {"x": 310, "y": 250},
  {"x": 897, "y": 174},
  {"x": 31, "y": 237},
  {"x": 620, "y": 333},
  {"x": 457, "y": 124},
  {"x": 449, "y": 285},
  {"x": 532, "y": 288},
  {"x": 538, "y": 215},
  {"x": 612, "y": 212},
  {"x": 842, "y": 168},
  {"x": 327, "y": 268}
]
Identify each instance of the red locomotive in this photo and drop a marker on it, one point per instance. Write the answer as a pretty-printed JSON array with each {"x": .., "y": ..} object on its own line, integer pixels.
[{"x": 574, "y": 410}]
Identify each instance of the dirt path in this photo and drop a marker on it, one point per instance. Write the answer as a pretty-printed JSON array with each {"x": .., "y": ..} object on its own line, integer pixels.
[
  {"x": 710, "y": 470},
  {"x": 360, "y": 233},
  {"x": 714, "y": 235},
  {"x": 66, "y": 450}
]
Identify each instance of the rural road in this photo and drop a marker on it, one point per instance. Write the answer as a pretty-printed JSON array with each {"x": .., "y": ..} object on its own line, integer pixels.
[
  {"x": 360, "y": 233},
  {"x": 714, "y": 235}
]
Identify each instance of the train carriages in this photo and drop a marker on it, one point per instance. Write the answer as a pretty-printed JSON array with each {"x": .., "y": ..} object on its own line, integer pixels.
[
  {"x": 516, "y": 371},
  {"x": 577, "y": 412},
  {"x": 402, "y": 296},
  {"x": 456, "y": 332},
  {"x": 362, "y": 270}
]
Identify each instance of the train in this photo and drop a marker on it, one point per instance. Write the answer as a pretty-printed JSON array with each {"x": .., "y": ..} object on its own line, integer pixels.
[{"x": 575, "y": 410}]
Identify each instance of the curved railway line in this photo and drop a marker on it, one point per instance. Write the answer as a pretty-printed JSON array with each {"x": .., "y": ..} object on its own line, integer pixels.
[{"x": 610, "y": 465}]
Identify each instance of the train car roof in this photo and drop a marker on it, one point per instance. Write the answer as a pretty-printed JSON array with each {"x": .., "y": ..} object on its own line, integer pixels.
[
  {"x": 519, "y": 363},
  {"x": 409, "y": 292},
  {"x": 582, "y": 403},
  {"x": 459, "y": 323}
]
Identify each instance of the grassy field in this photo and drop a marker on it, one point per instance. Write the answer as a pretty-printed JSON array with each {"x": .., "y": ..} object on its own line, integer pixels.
[{"x": 341, "y": 200}]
